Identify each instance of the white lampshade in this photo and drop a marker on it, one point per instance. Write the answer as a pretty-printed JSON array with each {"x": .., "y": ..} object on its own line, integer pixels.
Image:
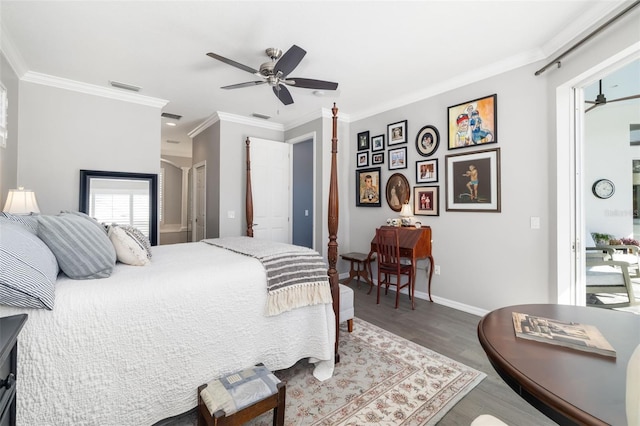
[
  {"x": 406, "y": 210},
  {"x": 21, "y": 201}
]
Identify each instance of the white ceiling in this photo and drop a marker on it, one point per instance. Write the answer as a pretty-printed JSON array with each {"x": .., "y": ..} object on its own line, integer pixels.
[{"x": 382, "y": 53}]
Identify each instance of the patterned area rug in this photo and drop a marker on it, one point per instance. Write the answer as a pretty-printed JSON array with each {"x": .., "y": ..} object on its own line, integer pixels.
[{"x": 381, "y": 379}]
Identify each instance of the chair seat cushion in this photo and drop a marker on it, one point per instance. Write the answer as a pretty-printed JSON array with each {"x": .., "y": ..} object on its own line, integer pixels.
[
  {"x": 239, "y": 390},
  {"x": 631, "y": 259},
  {"x": 603, "y": 275}
]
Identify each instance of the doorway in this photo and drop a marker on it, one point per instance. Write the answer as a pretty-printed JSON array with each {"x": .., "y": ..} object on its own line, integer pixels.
[
  {"x": 199, "y": 201},
  {"x": 302, "y": 202}
]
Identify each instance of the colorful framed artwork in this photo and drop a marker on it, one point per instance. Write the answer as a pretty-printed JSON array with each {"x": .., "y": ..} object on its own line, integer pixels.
[
  {"x": 377, "y": 158},
  {"x": 398, "y": 158},
  {"x": 398, "y": 191},
  {"x": 427, "y": 171},
  {"x": 377, "y": 143},
  {"x": 426, "y": 201},
  {"x": 362, "y": 159},
  {"x": 368, "y": 187},
  {"x": 427, "y": 141},
  {"x": 473, "y": 123},
  {"x": 363, "y": 141},
  {"x": 472, "y": 181},
  {"x": 397, "y": 133}
]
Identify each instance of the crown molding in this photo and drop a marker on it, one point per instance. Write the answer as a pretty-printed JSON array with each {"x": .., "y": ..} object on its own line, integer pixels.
[
  {"x": 11, "y": 53},
  {"x": 234, "y": 118},
  {"x": 92, "y": 89}
]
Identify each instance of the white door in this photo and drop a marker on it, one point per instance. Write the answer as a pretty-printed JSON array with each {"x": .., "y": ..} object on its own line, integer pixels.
[
  {"x": 270, "y": 177},
  {"x": 199, "y": 201}
]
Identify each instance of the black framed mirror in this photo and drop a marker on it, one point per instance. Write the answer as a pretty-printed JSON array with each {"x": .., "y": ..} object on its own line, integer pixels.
[{"x": 122, "y": 198}]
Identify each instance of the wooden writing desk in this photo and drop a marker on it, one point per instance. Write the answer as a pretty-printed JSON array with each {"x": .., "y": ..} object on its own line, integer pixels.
[{"x": 415, "y": 243}]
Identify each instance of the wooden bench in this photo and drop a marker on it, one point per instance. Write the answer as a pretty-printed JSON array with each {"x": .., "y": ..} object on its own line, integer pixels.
[{"x": 239, "y": 397}]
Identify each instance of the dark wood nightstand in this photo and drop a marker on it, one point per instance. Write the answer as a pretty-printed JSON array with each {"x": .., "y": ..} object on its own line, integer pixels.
[{"x": 9, "y": 329}]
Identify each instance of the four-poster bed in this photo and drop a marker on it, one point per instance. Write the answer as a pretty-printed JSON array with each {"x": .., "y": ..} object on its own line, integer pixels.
[{"x": 132, "y": 348}]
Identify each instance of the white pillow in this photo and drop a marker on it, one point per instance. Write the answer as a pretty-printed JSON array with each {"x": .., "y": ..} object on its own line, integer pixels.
[{"x": 128, "y": 249}]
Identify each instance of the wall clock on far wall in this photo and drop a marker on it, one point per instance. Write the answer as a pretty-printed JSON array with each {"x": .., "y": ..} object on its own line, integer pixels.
[{"x": 603, "y": 188}]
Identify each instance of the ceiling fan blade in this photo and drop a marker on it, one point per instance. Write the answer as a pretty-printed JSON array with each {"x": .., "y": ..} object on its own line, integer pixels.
[
  {"x": 589, "y": 102},
  {"x": 591, "y": 107},
  {"x": 626, "y": 98},
  {"x": 283, "y": 94},
  {"x": 240, "y": 85},
  {"x": 232, "y": 63},
  {"x": 289, "y": 60},
  {"x": 308, "y": 83}
]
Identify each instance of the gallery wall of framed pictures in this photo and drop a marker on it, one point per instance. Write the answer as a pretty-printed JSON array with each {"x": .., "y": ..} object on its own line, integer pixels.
[{"x": 471, "y": 178}]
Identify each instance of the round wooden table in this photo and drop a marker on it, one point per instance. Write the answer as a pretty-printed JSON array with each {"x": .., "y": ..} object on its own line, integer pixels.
[{"x": 567, "y": 385}]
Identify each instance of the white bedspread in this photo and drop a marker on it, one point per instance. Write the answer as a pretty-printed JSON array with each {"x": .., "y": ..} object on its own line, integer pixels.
[{"x": 133, "y": 348}]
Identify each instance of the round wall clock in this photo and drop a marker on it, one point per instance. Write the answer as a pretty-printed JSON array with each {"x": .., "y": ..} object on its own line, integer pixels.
[{"x": 603, "y": 188}]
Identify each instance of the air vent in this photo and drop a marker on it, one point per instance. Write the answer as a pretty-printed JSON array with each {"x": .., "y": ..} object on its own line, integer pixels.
[
  {"x": 172, "y": 116},
  {"x": 170, "y": 141},
  {"x": 263, "y": 116},
  {"x": 124, "y": 86}
]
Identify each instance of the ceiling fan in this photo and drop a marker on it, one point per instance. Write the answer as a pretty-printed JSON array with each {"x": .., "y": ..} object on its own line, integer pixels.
[
  {"x": 275, "y": 73},
  {"x": 601, "y": 100}
]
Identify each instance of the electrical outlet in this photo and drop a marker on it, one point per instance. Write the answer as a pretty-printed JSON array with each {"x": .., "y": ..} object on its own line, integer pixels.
[{"x": 436, "y": 269}]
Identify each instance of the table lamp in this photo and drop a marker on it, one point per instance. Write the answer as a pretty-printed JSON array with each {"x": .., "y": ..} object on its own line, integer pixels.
[
  {"x": 21, "y": 201},
  {"x": 406, "y": 214}
]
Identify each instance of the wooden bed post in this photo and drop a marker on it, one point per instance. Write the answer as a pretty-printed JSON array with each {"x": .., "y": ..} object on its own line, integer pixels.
[
  {"x": 249, "y": 196},
  {"x": 333, "y": 211}
]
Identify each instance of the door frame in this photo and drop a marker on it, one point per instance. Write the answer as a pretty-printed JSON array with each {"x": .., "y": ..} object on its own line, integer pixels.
[
  {"x": 194, "y": 199},
  {"x": 569, "y": 247}
]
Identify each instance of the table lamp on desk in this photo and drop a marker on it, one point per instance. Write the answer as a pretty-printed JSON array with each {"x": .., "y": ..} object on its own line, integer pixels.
[{"x": 406, "y": 215}]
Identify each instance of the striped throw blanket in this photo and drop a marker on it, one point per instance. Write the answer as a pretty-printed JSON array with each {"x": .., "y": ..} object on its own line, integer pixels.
[{"x": 296, "y": 276}]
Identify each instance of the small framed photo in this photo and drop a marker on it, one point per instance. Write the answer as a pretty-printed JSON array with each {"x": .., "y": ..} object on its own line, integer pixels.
[
  {"x": 377, "y": 158},
  {"x": 368, "y": 187},
  {"x": 398, "y": 191},
  {"x": 426, "y": 201},
  {"x": 362, "y": 159},
  {"x": 377, "y": 143},
  {"x": 427, "y": 171},
  {"x": 397, "y": 133},
  {"x": 363, "y": 141},
  {"x": 472, "y": 181},
  {"x": 398, "y": 158},
  {"x": 473, "y": 123},
  {"x": 427, "y": 141}
]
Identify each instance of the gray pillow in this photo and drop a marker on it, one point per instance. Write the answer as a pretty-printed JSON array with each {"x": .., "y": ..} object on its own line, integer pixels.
[
  {"x": 28, "y": 221},
  {"x": 82, "y": 249},
  {"x": 29, "y": 270}
]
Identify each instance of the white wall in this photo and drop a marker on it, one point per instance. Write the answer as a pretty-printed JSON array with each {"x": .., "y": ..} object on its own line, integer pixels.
[
  {"x": 9, "y": 154},
  {"x": 487, "y": 260},
  {"x": 62, "y": 132},
  {"x": 609, "y": 155}
]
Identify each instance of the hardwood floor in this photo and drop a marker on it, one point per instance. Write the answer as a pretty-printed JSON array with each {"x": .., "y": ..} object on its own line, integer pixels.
[{"x": 451, "y": 333}]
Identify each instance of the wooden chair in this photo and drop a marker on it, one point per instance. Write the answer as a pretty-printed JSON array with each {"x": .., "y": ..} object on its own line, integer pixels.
[{"x": 389, "y": 265}]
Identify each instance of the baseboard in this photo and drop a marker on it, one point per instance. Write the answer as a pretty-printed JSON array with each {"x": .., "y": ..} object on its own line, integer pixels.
[{"x": 474, "y": 310}]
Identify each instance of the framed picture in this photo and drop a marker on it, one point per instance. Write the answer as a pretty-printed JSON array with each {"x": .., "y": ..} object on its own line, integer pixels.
[
  {"x": 473, "y": 123},
  {"x": 473, "y": 181},
  {"x": 426, "y": 201},
  {"x": 398, "y": 158},
  {"x": 377, "y": 158},
  {"x": 363, "y": 141},
  {"x": 427, "y": 141},
  {"x": 398, "y": 191},
  {"x": 377, "y": 143},
  {"x": 368, "y": 187},
  {"x": 362, "y": 159},
  {"x": 427, "y": 171},
  {"x": 397, "y": 133}
]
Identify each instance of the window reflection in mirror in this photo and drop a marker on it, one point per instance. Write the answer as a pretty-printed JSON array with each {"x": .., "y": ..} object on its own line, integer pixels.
[{"x": 122, "y": 198}]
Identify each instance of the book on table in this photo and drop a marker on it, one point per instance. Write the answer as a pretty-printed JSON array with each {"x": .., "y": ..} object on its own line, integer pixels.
[{"x": 574, "y": 335}]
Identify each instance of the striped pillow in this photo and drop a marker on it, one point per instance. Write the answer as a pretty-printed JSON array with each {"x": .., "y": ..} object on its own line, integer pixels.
[
  {"x": 28, "y": 221},
  {"x": 82, "y": 249},
  {"x": 29, "y": 269}
]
